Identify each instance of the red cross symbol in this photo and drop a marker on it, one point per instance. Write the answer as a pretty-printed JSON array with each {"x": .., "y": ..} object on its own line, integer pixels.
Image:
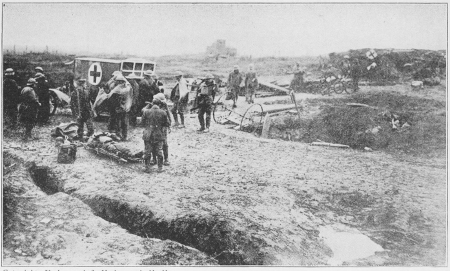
[{"x": 95, "y": 74}]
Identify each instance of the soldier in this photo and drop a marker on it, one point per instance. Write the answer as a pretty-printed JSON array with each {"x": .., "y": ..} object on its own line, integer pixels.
[
  {"x": 11, "y": 97},
  {"x": 355, "y": 73},
  {"x": 234, "y": 83},
  {"x": 297, "y": 81},
  {"x": 179, "y": 96},
  {"x": 120, "y": 99},
  {"x": 145, "y": 90},
  {"x": 39, "y": 70},
  {"x": 156, "y": 86},
  {"x": 155, "y": 120},
  {"x": 80, "y": 101},
  {"x": 251, "y": 83},
  {"x": 43, "y": 92},
  {"x": 28, "y": 108},
  {"x": 166, "y": 130},
  {"x": 134, "y": 112},
  {"x": 206, "y": 91}
]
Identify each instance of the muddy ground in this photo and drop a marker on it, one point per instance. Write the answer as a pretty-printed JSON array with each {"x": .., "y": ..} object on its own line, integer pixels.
[{"x": 227, "y": 198}]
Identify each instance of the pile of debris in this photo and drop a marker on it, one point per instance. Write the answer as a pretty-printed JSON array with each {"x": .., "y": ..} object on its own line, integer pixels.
[{"x": 392, "y": 65}]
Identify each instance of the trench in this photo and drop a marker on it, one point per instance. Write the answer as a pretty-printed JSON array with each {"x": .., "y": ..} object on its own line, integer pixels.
[{"x": 210, "y": 234}]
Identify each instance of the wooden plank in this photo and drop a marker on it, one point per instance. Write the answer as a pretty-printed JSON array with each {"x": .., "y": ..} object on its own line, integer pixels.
[
  {"x": 329, "y": 145},
  {"x": 266, "y": 126},
  {"x": 278, "y": 109},
  {"x": 275, "y": 87}
]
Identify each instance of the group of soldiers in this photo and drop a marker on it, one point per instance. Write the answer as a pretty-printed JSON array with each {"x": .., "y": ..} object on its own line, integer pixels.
[
  {"x": 235, "y": 79},
  {"x": 126, "y": 98},
  {"x": 29, "y": 105}
]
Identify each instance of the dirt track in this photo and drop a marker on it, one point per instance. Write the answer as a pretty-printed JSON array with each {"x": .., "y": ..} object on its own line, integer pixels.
[{"x": 244, "y": 200}]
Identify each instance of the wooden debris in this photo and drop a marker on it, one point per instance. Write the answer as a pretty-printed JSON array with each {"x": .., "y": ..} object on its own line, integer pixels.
[
  {"x": 329, "y": 145},
  {"x": 357, "y": 105},
  {"x": 266, "y": 126},
  {"x": 269, "y": 85}
]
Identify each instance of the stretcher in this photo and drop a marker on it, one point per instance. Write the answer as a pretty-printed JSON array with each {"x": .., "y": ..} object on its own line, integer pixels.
[{"x": 103, "y": 144}]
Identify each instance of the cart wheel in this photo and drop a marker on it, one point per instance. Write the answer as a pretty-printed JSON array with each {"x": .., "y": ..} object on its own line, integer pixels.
[
  {"x": 252, "y": 119},
  {"x": 339, "y": 87},
  {"x": 222, "y": 108},
  {"x": 349, "y": 89}
]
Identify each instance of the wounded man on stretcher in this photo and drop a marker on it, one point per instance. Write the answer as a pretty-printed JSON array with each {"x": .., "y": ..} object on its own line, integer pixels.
[{"x": 105, "y": 144}]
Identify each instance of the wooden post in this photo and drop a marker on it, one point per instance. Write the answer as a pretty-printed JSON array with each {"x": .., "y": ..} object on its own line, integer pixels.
[
  {"x": 266, "y": 126},
  {"x": 295, "y": 103}
]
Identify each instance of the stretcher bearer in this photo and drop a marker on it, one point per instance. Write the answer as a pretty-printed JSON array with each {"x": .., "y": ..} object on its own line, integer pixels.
[
  {"x": 155, "y": 121},
  {"x": 80, "y": 101}
]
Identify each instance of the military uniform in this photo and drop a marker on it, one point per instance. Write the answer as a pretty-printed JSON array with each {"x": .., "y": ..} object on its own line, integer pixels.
[
  {"x": 134, "y": 111},
  {"x": 164, "y": 107},
  {"x": 155, "y": 120},
  {"x": 234, "y": 82},
  {"x": 145, "y": 92},
  {"x": 28, "y": 109},
  {"x": 297, "y": 81},
  {"x": 80, "y": 101},
  {"x": 11, "y": 98},
  {"x": 179, "y": 97},
  {"x": 251, "y": 83},
  {"x": 43, "y": 92},
  {"x": 120, "y": 100},
  {"x": 204, "y": 102}
]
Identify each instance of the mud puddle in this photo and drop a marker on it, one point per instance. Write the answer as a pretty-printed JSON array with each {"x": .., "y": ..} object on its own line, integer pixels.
[{"x": 347, "y": 244}]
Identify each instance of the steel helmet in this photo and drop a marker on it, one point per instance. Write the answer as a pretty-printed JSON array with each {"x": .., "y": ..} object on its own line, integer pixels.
[
  {"x": 346, "y": 57},
  {"x": 31, "y": 81},
  {"x": 81, "y": 80},
  {"x": 154, "y": 75},
  {"x": 235, "y": 67},
  {"x": 179, "y": 73},
  {"x": 160, "y": 97},
  {"x": 120, "y": 78},
  {"x": 9, "y": 70},
  {"x": 209, "y": 76},
  {"x": 131, "y": 76},
  {"x": 148, "y": 72},
  {"x": 39, "y": 75},
  {"x": 116, "y": 73},
  {"x": 39, "y": 69}
]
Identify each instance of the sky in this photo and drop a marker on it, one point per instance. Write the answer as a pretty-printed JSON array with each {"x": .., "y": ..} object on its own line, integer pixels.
[{"x": 253, "y": 29}]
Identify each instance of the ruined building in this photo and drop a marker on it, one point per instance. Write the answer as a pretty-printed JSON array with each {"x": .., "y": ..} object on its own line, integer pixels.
[{"x": 219, "y": 48}]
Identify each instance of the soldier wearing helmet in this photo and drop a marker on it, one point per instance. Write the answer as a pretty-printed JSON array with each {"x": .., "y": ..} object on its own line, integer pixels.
[
  {"x": 179, "y": 96},
  {"x": 120, "y": 99},
  {"x": 157, "y": 83},
  {"x": 297, "y": 81},
  {"x": 160, "y": 100},
  {"x": 28, "y": 108},
  {"x": 206, "y": 92},
  {"x": 134, "y": 111},
  {"x": 155, "y": 121},
  {"x": 43, "y": 92},
  {"x": 145, "y": 90},
  {"x": 234, "y": 84},
  {"x": 11, "y": 96},
  {"x": 251, "y": 83},
  {"x": 80, "y": 101}
]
